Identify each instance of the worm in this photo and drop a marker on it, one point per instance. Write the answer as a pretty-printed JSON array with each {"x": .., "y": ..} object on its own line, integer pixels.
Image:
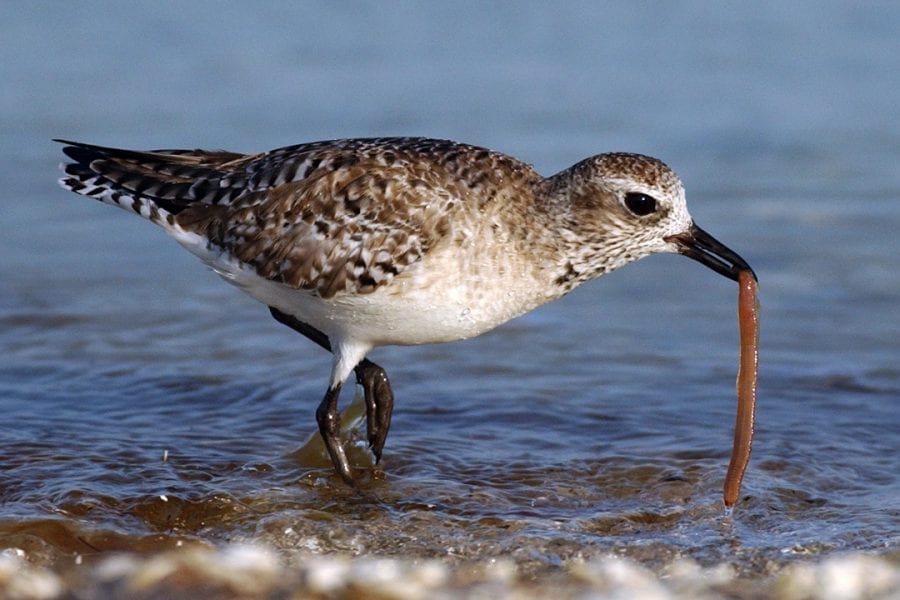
[{"x": 748, "y": 325}]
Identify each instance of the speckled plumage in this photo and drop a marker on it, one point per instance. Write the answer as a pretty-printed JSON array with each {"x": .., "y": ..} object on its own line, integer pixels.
[
  {"x": 394, "y": 240},
  {"x": 348, "y": 216}
]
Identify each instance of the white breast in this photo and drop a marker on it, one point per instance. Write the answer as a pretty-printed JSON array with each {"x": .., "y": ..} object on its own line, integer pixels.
[{"x": 450, "y": 295}]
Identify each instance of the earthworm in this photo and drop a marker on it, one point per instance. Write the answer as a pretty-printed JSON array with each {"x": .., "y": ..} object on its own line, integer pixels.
[{"x": 748, "y": 324}]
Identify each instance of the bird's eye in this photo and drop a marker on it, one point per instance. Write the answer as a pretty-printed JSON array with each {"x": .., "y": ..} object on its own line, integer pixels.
[{"x": 640, "y": 204}]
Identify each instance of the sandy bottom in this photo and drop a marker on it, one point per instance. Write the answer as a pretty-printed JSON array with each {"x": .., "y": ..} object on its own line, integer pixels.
[{"x": 241, "y": 571}]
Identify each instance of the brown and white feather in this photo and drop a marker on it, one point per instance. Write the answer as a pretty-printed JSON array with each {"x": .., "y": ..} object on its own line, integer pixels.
[
  {"x": 335, "y": 217},
  {"x": 390, "y": 240}
]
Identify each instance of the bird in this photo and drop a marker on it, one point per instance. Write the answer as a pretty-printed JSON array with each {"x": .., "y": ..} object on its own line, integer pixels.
[{"x": 365, "y": 242}]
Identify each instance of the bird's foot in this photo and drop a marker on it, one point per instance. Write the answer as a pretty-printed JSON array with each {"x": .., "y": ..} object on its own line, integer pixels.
[
  {"x": 329, "y": 419},
  {"x": 379, "y": 404}
]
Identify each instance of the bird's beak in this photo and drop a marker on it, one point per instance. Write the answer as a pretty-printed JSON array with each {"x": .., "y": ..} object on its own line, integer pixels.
[{"x": 704, "y": 248}]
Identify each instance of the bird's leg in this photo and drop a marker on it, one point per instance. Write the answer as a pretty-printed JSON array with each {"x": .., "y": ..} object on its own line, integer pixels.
[
  {"x": 329, "y": 420},
  {"x": 376, "y": 386},
  {"x": 379, "y": 404},
  {"x": 300, "y": 327}
]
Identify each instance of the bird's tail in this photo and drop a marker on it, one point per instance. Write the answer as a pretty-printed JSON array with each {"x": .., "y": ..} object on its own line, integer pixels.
[{"x": 155, "y": 184}]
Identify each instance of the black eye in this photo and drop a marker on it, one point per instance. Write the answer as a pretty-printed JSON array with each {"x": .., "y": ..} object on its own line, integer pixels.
[{"x": 640, "y": 204}]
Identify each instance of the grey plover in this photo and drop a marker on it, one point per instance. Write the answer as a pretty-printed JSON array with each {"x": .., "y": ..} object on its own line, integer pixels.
[{"x": 361, "y": 243}]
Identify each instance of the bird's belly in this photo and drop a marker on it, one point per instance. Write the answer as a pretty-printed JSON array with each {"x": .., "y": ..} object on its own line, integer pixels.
[
  {"x": 443, "y": 298},
  {"x": 429, "y": 303},
  {"x": 391, "y": 316}
]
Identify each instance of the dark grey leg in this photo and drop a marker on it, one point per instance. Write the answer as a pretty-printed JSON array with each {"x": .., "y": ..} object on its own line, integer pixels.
[
  {"x": 329, "y": 419},
  {"x": 374, "y": 380},
  {"x": 379, "y": 404},
  {"x": 300, "y": 327}
]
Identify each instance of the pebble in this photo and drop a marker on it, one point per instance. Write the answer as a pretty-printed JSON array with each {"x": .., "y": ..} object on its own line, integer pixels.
[{"x": 254, "y": 572}]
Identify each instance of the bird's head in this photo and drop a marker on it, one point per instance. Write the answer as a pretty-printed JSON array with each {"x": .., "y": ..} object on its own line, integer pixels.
[{"x": 627, "y": 206}]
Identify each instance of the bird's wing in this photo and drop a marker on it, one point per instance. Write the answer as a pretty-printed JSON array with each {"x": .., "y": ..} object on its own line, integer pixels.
[
  {"x": 344, "y": 228},
  {"x": 341, "y": 216}
]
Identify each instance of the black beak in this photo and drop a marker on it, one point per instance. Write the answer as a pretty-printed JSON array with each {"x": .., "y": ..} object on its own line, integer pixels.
[{"x": 706, "y": 249}]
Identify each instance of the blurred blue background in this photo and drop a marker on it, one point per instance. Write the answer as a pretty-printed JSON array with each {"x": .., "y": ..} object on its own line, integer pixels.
[{"x": 782, "y": 120}]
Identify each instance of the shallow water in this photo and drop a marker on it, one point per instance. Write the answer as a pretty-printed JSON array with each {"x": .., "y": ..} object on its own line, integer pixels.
[{"x": 146, "y": 404}]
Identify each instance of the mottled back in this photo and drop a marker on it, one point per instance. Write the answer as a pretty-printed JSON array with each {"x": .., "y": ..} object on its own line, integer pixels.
[{"x": 329, "y": 217}]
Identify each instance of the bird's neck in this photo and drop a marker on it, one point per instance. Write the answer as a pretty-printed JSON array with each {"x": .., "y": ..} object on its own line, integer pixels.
[{"x": 576, "y": 251}]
